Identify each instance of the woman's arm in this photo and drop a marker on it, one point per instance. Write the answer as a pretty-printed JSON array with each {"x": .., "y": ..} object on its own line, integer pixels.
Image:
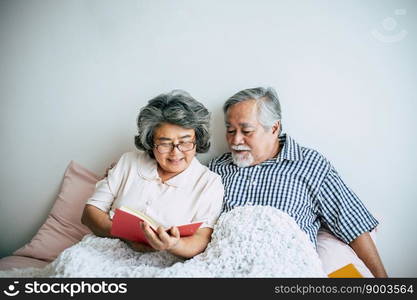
[
  {"x": 100, "y": 224},
  {"x": 95, "y": 215},
  {"x": 97, "y": 220},
  {"x": 192, "y": 245}
]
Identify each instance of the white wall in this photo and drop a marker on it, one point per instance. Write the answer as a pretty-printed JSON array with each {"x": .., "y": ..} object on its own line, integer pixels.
[{"x": 73, "y": 75}]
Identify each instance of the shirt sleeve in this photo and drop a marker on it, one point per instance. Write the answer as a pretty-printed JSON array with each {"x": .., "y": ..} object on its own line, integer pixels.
[
  {"x": 341, "y": 210},
  {"x": 211, "y": 203},
  {"x": 108, "y": 188}
]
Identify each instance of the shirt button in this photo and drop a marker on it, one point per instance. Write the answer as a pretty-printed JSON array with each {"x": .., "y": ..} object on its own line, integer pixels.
[{"x": 254, "y": 183}]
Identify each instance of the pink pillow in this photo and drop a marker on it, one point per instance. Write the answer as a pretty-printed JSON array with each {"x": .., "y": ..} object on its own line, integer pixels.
[
  {"x": 63, "y": 227},
  {"x": 10, "y": 262},
  {"x": 335, "y": 254}
]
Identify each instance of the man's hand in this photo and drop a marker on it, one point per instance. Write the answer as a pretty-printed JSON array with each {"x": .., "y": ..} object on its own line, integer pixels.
[{"x": 161, "y": 239}]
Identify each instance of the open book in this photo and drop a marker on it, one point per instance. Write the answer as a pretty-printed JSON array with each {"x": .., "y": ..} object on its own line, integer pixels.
[{"x": 127, "y": 225}]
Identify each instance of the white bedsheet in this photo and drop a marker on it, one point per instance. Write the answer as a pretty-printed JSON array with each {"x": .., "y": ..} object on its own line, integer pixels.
[{"x": 250, "y": 241}]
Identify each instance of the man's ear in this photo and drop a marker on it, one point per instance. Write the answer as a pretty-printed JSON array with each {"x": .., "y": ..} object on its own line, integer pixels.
[{"x": 276, "y": 127}]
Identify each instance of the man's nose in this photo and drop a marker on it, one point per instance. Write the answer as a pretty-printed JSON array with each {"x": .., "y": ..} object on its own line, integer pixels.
[{"x": 238, "y": 139}]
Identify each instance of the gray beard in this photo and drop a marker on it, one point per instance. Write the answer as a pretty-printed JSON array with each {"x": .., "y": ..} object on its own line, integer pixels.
[{"x": 242, "y": 162}]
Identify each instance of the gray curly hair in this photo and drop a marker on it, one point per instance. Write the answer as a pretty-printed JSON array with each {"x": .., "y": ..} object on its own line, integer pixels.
[{"x": 176, "y": 107}]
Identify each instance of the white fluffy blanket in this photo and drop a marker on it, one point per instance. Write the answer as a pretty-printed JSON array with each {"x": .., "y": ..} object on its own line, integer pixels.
[{"x": 251, "y": 241}]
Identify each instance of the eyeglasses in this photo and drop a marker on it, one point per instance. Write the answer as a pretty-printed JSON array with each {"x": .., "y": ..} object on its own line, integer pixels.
[{"x": 168, "y": 147}]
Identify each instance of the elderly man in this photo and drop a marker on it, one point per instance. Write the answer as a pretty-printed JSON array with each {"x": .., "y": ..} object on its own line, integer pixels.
[{"x": 266, "y": 167}]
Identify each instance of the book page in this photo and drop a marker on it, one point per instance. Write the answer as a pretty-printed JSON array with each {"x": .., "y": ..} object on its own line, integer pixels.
[{"x": 152, "y": 222}]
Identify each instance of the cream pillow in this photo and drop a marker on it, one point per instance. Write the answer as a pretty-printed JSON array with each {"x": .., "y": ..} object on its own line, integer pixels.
[{"x": 335, "y": 254}]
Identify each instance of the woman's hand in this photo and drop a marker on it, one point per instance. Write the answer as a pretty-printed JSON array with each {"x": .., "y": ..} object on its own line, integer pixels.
[{"x": 161, "y": 239}]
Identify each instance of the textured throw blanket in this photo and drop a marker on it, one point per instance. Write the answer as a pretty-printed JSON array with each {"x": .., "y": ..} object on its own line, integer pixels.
[{"x": 251, "y": 241}]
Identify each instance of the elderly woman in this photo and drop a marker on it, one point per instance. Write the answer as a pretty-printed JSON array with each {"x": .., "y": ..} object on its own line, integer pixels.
[{"x": 164, "y": 179}]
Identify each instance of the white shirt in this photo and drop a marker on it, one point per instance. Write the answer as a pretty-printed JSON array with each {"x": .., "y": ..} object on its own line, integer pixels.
[{"x": 196, "y": 194}]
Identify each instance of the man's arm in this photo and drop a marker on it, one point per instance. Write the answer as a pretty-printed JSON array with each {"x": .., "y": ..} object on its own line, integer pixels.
[
  {"x": 365, "y": 249},
  {"x": 97, "y": 220},
  {"x": 335, "y": 198}
]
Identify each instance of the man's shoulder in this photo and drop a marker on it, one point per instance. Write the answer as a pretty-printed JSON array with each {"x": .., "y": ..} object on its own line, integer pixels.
[
  {"x": 313, "y": 158},
  {"x": 299, "y": 154},
  {"x": 312, "y": 154},
  {"x": 221, "y": 160}
]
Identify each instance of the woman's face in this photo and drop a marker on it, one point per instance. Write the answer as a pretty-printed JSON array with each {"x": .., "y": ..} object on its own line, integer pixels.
[{"x": 173, "y": 161}]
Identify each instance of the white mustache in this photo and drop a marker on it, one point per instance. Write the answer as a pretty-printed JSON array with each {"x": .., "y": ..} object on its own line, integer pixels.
[{"x": 241, "y": 147}]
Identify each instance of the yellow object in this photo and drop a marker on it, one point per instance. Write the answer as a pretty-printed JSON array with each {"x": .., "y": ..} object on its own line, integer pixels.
[{"x": 348, "y": 271}]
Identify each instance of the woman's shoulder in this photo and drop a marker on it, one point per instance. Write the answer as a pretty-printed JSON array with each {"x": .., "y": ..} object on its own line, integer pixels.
[
  {"x": 134, "y": 156},
  {"x": 133, "y": 159},
  {"x": 206, "y": 173}
]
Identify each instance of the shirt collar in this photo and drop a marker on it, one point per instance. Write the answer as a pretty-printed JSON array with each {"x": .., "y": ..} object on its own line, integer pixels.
[
  {"x": 148, "y": 169},
  {"x": 290, "y": 149}
]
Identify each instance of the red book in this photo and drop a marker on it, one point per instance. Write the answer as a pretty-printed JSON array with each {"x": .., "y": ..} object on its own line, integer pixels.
[{"x": 127, "y": 225}]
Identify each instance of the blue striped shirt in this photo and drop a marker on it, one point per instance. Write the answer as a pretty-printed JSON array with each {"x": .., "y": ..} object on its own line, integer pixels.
[{"x": 301, "y": 182}]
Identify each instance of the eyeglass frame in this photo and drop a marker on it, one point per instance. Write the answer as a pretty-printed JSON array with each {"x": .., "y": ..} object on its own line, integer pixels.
[{"x": 175, "y": 146}]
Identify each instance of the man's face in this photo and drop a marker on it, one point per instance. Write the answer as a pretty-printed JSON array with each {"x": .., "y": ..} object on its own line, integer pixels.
[{"x": 248, "y": 140}]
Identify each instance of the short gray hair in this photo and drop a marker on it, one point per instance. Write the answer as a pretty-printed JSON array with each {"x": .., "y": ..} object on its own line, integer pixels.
[
  {"x": 269, "y": 108},
  {"x": 176, "y": 107}
]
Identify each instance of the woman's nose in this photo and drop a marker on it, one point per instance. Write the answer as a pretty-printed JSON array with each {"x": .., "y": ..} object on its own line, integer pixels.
[{"x": 175, "y": 149}]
